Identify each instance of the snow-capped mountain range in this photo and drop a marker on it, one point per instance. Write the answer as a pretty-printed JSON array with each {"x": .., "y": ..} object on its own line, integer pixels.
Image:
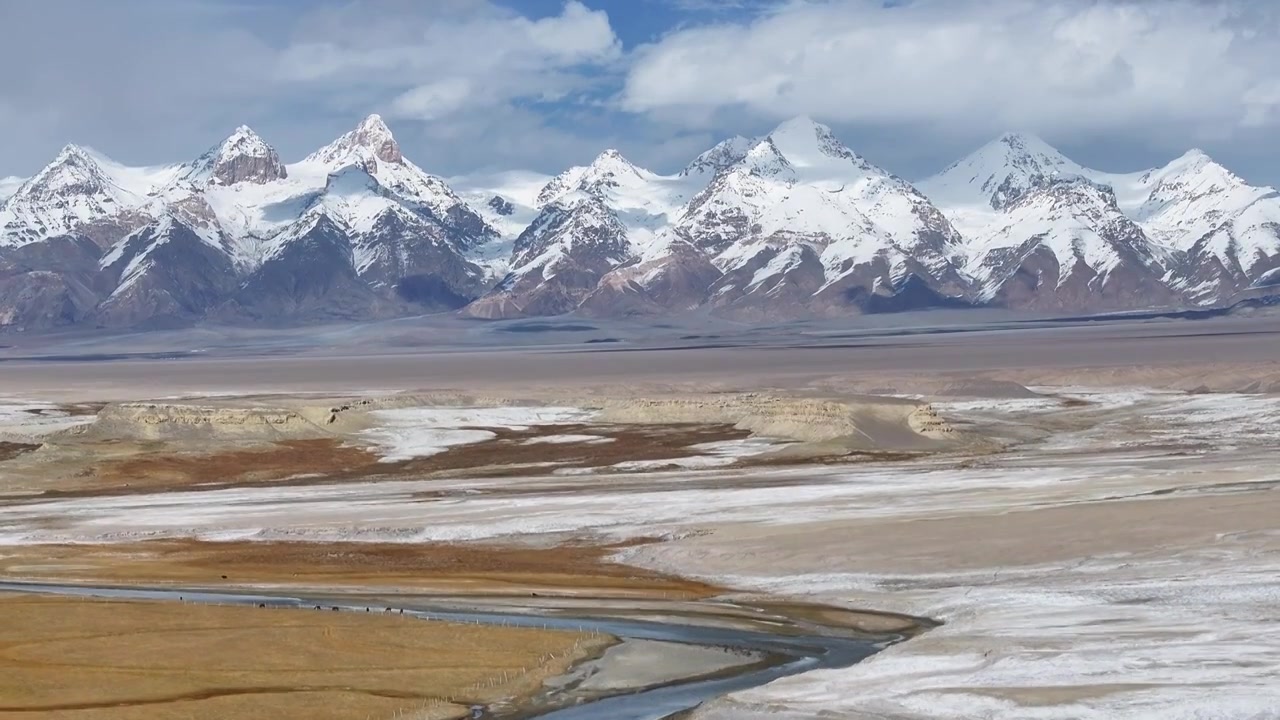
[{"x": 790, "y": 224}]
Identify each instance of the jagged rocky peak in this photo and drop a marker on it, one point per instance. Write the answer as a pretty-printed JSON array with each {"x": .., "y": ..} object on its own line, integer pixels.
[
  {"x": 725, "y": 154},
  {"x": 374, "y": 134},
  {"x": 371, "y": 134},
  {"x": 243, "y": 157}
]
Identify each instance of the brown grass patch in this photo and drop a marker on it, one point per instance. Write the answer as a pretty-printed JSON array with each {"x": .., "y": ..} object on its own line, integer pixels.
[
  {"x": 444, "y": 568},
  {"x": 120, "y": 468},
  {"x": 109, "y": 660},
  {"x": 508, "y": 454},
  {"x": 157, "y": 468}
]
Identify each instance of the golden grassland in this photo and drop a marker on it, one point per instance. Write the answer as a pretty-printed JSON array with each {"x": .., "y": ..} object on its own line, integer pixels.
[
  {"x": 87, "y": 659},
  {"x": 434, "y": 567}
]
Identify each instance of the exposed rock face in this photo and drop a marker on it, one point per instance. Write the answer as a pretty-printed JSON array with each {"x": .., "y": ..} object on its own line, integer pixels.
[
  {"x": 407, "y": 257},
  {"x": 724, "y": 155},
  {"x": 559, "y": 259},
  {"x": 165, "y": 274},
  {"x": 49, "y": 284},
  {"x": 245, "y": 157},
  {"x": 371, "y": 133},
  {"x": 501, "y": 206},
  {"x": 675, "y": 282},
  {"x": 155, "y": 421},
  {"x": 883, "y": 424},
  {"x": 308, "y": 274}
]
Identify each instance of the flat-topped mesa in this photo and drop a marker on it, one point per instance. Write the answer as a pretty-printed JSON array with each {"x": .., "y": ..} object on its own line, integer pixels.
[
  {"x": 208, "y": 423},
  {"x": 877, "y": 424}
]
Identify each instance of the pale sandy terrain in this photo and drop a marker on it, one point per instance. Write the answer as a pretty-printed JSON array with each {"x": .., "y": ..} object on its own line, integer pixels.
[{"x": 1119, "y": 558}]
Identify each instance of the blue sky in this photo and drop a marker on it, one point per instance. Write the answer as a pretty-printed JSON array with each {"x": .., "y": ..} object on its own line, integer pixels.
[{"x": 475, "y": 85}]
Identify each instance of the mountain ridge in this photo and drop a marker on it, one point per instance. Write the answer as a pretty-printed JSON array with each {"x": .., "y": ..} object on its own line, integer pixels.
[{"x": 789, "y": 224}]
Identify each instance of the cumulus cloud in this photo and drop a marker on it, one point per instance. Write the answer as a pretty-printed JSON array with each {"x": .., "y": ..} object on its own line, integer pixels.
[
  {"x": 447, "y": 58},
  {"x": 1062, "y": 67},
  {"x": 161, "y": 80},
  {"x": 470, "y": 84}
]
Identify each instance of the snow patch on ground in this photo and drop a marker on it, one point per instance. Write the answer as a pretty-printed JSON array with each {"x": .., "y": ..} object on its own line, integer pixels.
[
  {"x": 29, "y": 419},
  {"x": 718, "y": 454},
  {"x": 568, "y": 440},
  {"x": 407, "y": 433}
]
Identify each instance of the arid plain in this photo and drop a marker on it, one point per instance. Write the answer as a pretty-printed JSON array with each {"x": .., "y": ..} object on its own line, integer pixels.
[{"x": 1087, "y": 508}]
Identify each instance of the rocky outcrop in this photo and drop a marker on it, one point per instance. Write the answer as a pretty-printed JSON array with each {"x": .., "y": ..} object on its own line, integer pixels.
[
  {"x": 175, "y": 421},
  {"x": 866, "y": 424}
]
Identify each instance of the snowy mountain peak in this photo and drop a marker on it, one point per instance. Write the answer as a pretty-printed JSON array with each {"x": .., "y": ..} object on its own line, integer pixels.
[
  {"x": 766, "y": 159},
  {"x": 74, "y": 171},
  {"x": 371, "y": 134},
  {"x": 804, "y": 142},
  {"x": 1000, "y": 172},
  {"x": 610, "y": 164},
  {"x": 1198, "y": 161},
  {"x": 609, "y": 170},
  {"x": 243, "y": 157},
  {"x": 1026, "y": 144},
  {"x": 374, "y": 134},
  {"x": 725, "y": 154},
  {"x": 72, "y": 153}
]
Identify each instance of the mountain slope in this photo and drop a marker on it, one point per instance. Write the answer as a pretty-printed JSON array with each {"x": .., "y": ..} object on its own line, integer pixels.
[
  {"x": 1209, "y": 233},
  {"x": 1229, "y": 230},
  {"x": 591, "y": 220},
  {"x": 167, "y": 272},
  {"x": 997, "y": 174},
  {"x": 790, "y": 224},
  {"x": 1064, "y": 244},
  {"x": 308, "y": 274},
  {"x": 373, "y": 148},
  {"x": 73, "y": 195},
  {"x": 355, "y": 219},
  {"x": 49, "y": 284},
  {"x": 800, "y": 197}
]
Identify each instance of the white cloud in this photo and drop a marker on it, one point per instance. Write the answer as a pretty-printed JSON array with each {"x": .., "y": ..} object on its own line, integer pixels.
[
  {"x": 433, "y": 100},
  {"x": 1062, "y": 67},
  {"x": 452, "y": 58}
]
